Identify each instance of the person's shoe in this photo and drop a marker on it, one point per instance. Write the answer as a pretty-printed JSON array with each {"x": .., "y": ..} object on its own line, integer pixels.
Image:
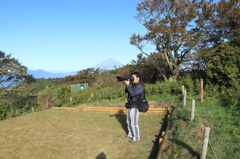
[
  {"x": 128, "y": 136},
  {"x": 132, "y": 141}
]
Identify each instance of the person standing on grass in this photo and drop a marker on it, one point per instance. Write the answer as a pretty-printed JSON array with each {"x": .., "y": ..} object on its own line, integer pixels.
[{"x": 134, "y": 95}]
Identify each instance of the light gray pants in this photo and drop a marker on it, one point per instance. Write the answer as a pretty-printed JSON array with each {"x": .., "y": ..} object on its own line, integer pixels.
[{"x": 132, "y": 123}]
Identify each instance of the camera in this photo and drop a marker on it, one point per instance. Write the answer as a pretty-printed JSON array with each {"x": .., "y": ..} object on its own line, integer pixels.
[{"x": 119, "y": 78}]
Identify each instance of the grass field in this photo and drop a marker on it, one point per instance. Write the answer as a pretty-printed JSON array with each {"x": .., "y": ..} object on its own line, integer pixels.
[{"x": 70, "y": 134}]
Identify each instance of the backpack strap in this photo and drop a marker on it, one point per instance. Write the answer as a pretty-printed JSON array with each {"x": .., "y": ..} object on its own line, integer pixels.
[{"x": 143, "y": 94}]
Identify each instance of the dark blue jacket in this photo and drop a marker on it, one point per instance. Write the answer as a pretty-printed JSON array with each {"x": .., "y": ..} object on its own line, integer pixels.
[{"x": 134, "y": 94}]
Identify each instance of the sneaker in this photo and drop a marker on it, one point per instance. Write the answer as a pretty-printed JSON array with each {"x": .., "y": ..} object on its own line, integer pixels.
[
  {"x": 128, "y": 136},
  {"x": 132, "y": 141}
]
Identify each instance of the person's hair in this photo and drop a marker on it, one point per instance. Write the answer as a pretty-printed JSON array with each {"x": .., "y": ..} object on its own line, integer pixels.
[{"x": 137, "y": 74}]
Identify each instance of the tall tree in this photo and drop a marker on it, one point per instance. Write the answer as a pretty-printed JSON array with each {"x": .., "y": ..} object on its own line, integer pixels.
[
  {"x": 11, "y": 70},
  {"x": 224, "y": 24},
  {"x": 175, "y": 28}
]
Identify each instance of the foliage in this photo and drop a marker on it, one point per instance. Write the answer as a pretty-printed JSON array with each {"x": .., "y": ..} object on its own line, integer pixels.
[
  {"x": 223, "y": 68},
  {"x": 185, "y": 136},
  {"x": 22, "y": 98},
  {"x": 168, "y": 87},
  {"x": 224, "y": 24},
  {"x": 61, "y": 95},
  {"x": 41, "y": 84},
  {"x": 106, "y": 79},
  {"x": 17, "y": 101},
  {"x": 174, "y": 28},
  {"x": 83, "y": 76},
  {"x": 12, "y": 72},
  {"x": 150, "y": 68},
  {"x": 45, "y": 99},
  {"x": 189, "y": 84},
  {"x": 4, "y": 109}
]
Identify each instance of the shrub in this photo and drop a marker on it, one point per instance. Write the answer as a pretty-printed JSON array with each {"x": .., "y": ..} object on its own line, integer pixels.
[
  {"x": 5, "y": 107},
  {"x": 45, "y": 99},
  {"x": 223, "y": 67},
  {"x": 61, "y": 95}
]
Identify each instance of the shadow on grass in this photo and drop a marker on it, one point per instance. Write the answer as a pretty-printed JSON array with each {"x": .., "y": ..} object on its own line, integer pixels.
[
  {"x": 155, "y": 148},
  {"x": 184, "y": 145},
  {"x": 101, "y": 156},
  {"x": 121, "y": 117}
]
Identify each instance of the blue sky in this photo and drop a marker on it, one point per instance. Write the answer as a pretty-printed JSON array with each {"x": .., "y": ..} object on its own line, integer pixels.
[{"x": 68, "y": 35}]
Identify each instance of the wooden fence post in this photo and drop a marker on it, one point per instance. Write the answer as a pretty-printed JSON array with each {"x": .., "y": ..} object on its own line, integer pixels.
[
  {"x": 201, "y": 91},
  {"x": 193, "y": 109},
  {"x": 184, "y": 98},
  {"x": 182, "y": 89},
  {"x": 205, "y": 142}
]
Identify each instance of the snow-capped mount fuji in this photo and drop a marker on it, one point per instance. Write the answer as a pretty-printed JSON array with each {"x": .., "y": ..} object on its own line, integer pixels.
[{"x": 109, "y": 64}]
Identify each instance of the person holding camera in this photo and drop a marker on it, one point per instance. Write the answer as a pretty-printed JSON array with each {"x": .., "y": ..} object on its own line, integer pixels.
[{"x": 134, "y": 96}]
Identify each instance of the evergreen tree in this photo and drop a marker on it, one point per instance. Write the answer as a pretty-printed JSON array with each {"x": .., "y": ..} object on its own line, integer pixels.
[
  {"x": 224, "y": 67},
  {"x": 11, "y": 70}
]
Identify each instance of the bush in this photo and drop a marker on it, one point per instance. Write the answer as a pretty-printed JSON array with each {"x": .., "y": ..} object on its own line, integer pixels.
[
  {"x": 5, "y": 109},
  {"x": 45, "y": 99},
  {"x": 61, "y": 95}
]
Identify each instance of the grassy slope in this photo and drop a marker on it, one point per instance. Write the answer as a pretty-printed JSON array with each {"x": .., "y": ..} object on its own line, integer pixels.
[
  {"x": 74, "y": 134},
  {"x": 185, "y": 137}
]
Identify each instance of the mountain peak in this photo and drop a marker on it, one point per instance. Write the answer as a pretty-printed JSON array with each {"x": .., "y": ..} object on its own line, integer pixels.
[{"x": 109, "y": 64}]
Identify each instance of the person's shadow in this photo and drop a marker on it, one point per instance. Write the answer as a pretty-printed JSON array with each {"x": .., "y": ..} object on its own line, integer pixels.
[
  {"x": 101, "y": 156},
  {"x": 121, "y": 117}
]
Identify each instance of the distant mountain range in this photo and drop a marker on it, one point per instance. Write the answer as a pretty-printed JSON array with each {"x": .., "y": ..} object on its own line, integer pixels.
[
  {"x": 108, "y": 64},
  {"x": 45, "y": 74}
]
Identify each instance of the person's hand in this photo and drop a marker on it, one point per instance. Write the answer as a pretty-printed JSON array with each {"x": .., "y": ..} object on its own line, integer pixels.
[{"x": 127, "y": 82}]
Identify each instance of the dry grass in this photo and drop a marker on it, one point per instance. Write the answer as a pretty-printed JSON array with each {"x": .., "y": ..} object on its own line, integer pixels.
[{"x": 70, "y": 134}]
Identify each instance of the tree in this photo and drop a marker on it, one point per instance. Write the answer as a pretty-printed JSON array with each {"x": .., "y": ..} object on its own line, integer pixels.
[
  {"x": 224, "y": 23},
  {"x": 150, "y": 73},
  {"x": 11, "y": 70},
  {"x": 83, "y": 76},
  {"x": 224, "y": 67},
  {"x": 175, "y": 29}
]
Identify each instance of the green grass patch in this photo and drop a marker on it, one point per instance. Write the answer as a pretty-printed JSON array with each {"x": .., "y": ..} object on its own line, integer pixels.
[
  {"x": 75, "y": 134},
  {"x": 185, "y": 137},
  {"x": 163, "y": 97}
]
